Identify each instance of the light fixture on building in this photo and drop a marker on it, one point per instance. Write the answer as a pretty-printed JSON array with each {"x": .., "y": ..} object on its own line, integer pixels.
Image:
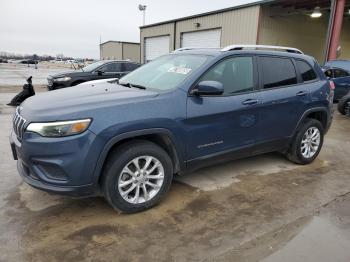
[
  {"x": 316, "y": 13},
  {"x": 197, "y": 25}
]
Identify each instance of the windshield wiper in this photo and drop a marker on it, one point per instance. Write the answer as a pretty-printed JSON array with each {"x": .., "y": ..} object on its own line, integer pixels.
[{"x": 133, "y": 85}]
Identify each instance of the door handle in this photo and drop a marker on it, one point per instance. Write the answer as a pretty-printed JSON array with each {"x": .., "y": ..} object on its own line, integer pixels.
[
  {"x": 250, "y": 102},
  {"x": 302, "y": 93}
]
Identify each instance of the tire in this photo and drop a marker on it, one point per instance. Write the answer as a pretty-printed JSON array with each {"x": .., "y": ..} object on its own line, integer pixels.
[
  {"x": 115, "y": 174},
  {"x": 342, "y": 104},
  {"x": 299, "y": 155}
]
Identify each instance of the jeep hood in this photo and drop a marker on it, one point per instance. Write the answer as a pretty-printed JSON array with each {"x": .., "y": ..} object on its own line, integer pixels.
[{"x": 77, "y": 101}]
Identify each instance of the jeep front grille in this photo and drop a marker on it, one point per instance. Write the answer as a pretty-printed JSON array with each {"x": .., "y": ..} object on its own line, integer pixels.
[{"x": 19, "y": 123}]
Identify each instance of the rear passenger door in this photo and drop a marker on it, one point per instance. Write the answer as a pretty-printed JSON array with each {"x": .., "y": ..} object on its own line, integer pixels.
[
  {"x": 284, "y": 98},
  {"x": 112, "y": 70}
]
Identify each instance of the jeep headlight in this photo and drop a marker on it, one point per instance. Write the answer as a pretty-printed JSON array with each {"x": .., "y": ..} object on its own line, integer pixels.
[
  {"x": 62, "y": 79},
  {"x": 59, "y": 129}
]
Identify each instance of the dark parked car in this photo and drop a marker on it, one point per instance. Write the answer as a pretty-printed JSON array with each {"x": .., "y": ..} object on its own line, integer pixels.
[
  {"x": 3, "y": 61},
  {"x": 29, "y": 61},
  {"x": 178, "y": 113},
  {"x": 98, "y": 70},
  {"x": 339, "y": 72}
]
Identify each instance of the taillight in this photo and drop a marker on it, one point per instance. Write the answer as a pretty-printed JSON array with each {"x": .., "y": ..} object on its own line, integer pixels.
[{"x": 331, "y": 84}]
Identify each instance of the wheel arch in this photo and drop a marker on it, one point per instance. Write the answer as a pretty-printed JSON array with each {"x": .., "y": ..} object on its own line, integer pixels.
[
  {"x": 162, "y": 137},
  {"x": 320, "y": 113}
]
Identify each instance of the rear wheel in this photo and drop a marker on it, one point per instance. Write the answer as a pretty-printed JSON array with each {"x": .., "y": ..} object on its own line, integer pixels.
[
  {"x": 343, "y": 105},
  {"x": 136, "y": 176},
  {"x": 307, "y": 143}
]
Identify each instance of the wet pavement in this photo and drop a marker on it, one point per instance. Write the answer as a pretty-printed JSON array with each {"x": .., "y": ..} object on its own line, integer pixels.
[{"x": 258, "y": 209}]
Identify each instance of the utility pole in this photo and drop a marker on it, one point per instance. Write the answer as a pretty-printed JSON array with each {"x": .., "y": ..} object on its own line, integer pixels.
[
  {"x": 100, "y": 48},
  {"x": 142, "y": 8}
]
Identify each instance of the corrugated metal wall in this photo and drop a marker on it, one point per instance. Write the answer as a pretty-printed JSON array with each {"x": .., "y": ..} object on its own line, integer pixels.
[
  {"x": 120, "y": 50},
  {"x": 111, "y": 50},
  {"x": 131, "y": 51},
  {"x": 237, "y": 26},
  {"x": 300, "y": 31},
  {"x": 345, "y": 40},
  {"x": 159, "y": 30}
]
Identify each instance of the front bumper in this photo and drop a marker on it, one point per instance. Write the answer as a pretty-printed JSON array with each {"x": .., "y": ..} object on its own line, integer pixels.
[
  {"x": 57, "y": 165},
  {"x": 52, "y": 85}
]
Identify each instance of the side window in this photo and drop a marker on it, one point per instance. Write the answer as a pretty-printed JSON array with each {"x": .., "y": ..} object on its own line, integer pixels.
[
  {"x": 277, "y": 72},
  {"x": 307, "y": 73},
  {"x": 130, "y": 66},
  {"x": 329, "y": 73},
  {"x": 236, "y": 75},
  {"x": 112, "y": 67},
  {"x": 340, "y": 73}
]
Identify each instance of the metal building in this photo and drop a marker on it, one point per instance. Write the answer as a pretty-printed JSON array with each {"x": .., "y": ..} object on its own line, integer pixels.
[
  {"x": 120, "y": 50},
  {"x": 270, "y": 22}
]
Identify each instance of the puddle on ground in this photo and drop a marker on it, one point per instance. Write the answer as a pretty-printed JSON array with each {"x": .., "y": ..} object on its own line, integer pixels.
[{"x": 319, "y": 241}]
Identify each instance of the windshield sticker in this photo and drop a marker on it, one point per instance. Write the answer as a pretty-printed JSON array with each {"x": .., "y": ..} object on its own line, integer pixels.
[{"x": 179, "y": 70}]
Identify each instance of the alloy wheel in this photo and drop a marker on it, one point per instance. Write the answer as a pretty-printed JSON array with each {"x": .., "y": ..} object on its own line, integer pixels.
[
  {"x": 310, "y": 142},
  {"x": 141, "y": 179}
]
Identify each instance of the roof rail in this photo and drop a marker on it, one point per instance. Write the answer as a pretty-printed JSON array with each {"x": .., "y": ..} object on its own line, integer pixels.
[
  {"x": 272, "y": 47},
  {"x": 191, "y": 48}
]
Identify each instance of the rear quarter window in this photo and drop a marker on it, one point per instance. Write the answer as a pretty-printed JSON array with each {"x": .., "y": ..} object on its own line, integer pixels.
[{"x": 306, "y": 71}]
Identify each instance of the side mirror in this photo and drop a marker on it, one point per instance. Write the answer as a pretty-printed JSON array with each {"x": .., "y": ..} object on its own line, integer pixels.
[{"x": 208, "y": 88}]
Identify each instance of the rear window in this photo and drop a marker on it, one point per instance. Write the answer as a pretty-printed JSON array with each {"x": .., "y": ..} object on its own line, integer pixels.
[
  {"x": 307, "y": 73},
  {"x": 277, "y": 72}
]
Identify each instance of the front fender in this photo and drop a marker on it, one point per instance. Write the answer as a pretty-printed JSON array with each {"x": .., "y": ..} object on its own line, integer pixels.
[{"x": 134, "y": 134}]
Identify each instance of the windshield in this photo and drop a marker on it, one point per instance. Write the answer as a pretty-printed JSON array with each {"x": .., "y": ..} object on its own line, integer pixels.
[
  {"x": 93, "y": 66},
  {"x": 165, "y": 72}
]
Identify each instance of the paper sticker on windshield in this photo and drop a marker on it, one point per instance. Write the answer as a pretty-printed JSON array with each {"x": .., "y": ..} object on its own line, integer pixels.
[{"x": 179, "y": 70}]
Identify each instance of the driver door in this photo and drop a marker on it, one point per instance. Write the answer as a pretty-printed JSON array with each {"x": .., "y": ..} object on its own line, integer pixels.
[
  {"x": 111, "y": 70},
  {"x": 227, "y": 122}
]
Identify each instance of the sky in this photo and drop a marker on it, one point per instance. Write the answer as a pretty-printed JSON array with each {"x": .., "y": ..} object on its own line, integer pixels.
[{"x": 74, "y": 27}]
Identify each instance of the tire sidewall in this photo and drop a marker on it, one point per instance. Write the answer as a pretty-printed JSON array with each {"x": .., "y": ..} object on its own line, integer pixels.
[
  {"x": 115, "y": 166},
  {"x": 342, "y": 103},
  {"x": 308, "y": 124}
]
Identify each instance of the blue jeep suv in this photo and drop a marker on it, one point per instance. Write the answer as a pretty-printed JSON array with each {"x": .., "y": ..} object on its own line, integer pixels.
[{"x": 178, "y": 113}]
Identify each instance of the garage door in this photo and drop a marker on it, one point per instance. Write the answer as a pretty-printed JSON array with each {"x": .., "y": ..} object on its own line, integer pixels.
[
  {"x": 156, "y": 46},
  {"x": 205, "y": 38}
]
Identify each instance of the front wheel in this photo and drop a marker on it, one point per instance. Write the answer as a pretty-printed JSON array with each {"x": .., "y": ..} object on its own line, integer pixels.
[
  {"x": 136, "y": 176},
  {"x": 307, "y": 143}
]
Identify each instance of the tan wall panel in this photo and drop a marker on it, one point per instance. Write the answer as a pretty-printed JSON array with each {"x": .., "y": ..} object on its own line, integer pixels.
[
  {"x": 131, "y": 51},
  {"x": 345, "y": 40},
  {"x": 300, "y": 31},
  {"x": 237, "y": 26},
  {"x": 158, "y": 30},
  {"x": 111, "y": 50}
]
